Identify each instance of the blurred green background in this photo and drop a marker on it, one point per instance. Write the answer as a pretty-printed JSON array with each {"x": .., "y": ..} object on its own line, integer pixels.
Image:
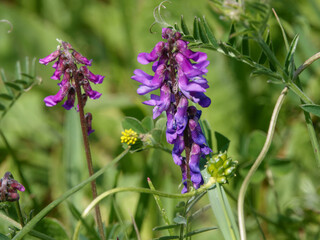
[{"x": 46, "y": 141}]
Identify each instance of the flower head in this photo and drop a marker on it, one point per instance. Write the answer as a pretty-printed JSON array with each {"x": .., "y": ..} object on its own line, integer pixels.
[
  {"x": 129, "y": 136},
  {"x": 9, "y": 188},
  {"x": 67, "y": 66},
  {"x": 179, "y": 74}
]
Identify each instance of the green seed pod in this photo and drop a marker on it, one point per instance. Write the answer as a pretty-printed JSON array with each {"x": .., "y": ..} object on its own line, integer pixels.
[
  {"x": 218, "y": 162},
  {"x": 229, "y": 172},
  {"x": 211, "y": 169},
  {"x": 227, "y": 163},
  {"x": 222, "y": 179},
  {"x": 220, "y": 170}
]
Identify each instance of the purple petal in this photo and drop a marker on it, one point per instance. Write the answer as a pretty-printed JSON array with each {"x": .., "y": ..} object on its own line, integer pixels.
[
  {"x": 51, "y": 57},
  {"x": 181, "y": 116},
  {"x": 81, "y": 59},
  {"x": 177, "y": 150},
  {"x": 145, "y": 58},
  {"x": 89, "y": 92},
  {"x": 70, "y": 100}
]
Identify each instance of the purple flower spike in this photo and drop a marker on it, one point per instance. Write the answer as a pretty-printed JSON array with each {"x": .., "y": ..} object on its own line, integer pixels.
[
  {"x": 51, "y": 57},
  {"x": 74, "y": 76},
  {"x": 9, "y": 188},
  {"x": 179, "y": 74}
]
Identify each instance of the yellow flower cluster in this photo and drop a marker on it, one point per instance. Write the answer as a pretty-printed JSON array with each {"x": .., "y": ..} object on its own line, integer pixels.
[{"x": 129, "y": 137}]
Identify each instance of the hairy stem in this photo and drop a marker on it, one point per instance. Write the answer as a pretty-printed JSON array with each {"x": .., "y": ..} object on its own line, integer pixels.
[
  {"x": 257, "y": 163},
  {"x": 88, "y": 154}
]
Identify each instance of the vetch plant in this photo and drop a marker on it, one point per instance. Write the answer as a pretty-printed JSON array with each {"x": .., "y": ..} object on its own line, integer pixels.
[{"x": 74, "y": 79}]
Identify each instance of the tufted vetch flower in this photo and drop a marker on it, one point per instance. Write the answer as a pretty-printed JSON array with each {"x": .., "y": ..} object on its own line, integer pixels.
[
  {"x": 179, "y": 74},
  {"x": 9, "y": 188},
  {"x": 67, "y": 66}
]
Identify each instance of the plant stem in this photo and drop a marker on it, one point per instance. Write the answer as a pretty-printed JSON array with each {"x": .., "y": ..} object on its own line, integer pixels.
[
  {"x": 204, "y": 188},
  {"x": 306, "y": 64},
  {"x": 257, "y": 163},
  {"x": 18, "y": 210},
  {"x": 32, "y": 223},
  {"x": 88, "y": 154}
]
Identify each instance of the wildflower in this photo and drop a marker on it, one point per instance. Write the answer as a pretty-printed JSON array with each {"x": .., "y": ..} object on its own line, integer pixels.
[
  {"x": 179, "y": 74},
  {"x": 9, "y": 188},
  {"x": 67, "y": 66},
  {"x": 129, "y": 137}
]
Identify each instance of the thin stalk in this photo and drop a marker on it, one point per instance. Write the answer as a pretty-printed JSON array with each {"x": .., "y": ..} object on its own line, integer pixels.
[
  {"x": 306, "y": 64},
  {"x": 204, "y": 188},
  {"x": 19, "y": 213},
  {"x": 161, "y": 208},
  {"x": 257, "y": 163},
  {"x": 33, "y": 222},
  {"x": 88, "y": 155}
]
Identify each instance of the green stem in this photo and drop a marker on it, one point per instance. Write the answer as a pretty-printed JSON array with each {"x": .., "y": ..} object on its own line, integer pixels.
[
  {"x": 139, "y": 190},
  {"x": 257, "y": 163},
  {"x": 306, "y": 64},
  {"x": 18, "y": 210},
  {"x": 293, "y": 87},
  {"x": 32, "y": 223},
  {"x": 18, "y": 225}
]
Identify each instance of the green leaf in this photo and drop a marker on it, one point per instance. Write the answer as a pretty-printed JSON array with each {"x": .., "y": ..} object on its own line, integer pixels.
[
  {"x": 156, "y": 135},
  {"x": 52, "y": 228},
  {"x": 222, "y": 142},
  {"x": 207, "y": 132},
  {"x": 203, "y": 35},
  {"x": 222, "y": 210},
  {"x": 267, "y": 49},
  {"x": 188, "y": 38},
  {"x": 165, "y": 227},
  {"x": 20, "y": 81},
  {"x": 311, "y": 108},
  {"x": 6, "y": 96},
  {"x": 167, "y": 238},
  {"x": 263, "y": 56},
  {"x": 4, "y": 237},
  {"x": 210, "y": 35},
  {"x": 201, "y": 230},
  {"x": 290, "y": 54},
  {"x": 147, "y": 123},
  {"x": 245, "y": 45},
  {"x": 4, "y": 79},
  {"x": 196, "y": 33},
  {"x": 161, "y": 123},
  {"x": 2, "y": 107},
  {"x": 184, "y": 27},
  {"x": 231, "y": 38},
  {"x": 13, "y": 85},
  {"x": 134, "y": 124}
]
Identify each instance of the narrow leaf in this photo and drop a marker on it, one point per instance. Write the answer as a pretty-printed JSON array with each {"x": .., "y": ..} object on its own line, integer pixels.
[
  {"x": 196, "y": 33},
  {"x": 165, "y": 227},
  {"x": 201, "y": 230},
  {"x": 292, "y": 49},
  {"x": 210, "y": 35},
  {"x": 176, "y": 27},
  {"x": 180, "y": 220},
  {"x": 5, "y": 96},
  {"x": 267, "y": 49},
  {"x": 4, "y": 79},
  {"x": 231, "y": 38},
  {"x": 2, "y": 107},
  {"x": 19, "y": 81},
  {"x": 184, "y": 27},
  {"x": 311, "y": 108},
  {"x": 167, "y": 238},
  {"x": 13, "y": 85},
  {"x": 188, "y": 38},
  {"x": 245, "y": 45},
  {"x": 203, "y": 35}
]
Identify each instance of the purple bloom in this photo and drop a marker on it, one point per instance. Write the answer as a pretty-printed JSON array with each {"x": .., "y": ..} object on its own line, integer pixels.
[
  {"x": 67, "y": 66},
  {"x": 9, "y": 188},
  {"x": 179, "y": 74},
  {"x": 51, "y": 57}
]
